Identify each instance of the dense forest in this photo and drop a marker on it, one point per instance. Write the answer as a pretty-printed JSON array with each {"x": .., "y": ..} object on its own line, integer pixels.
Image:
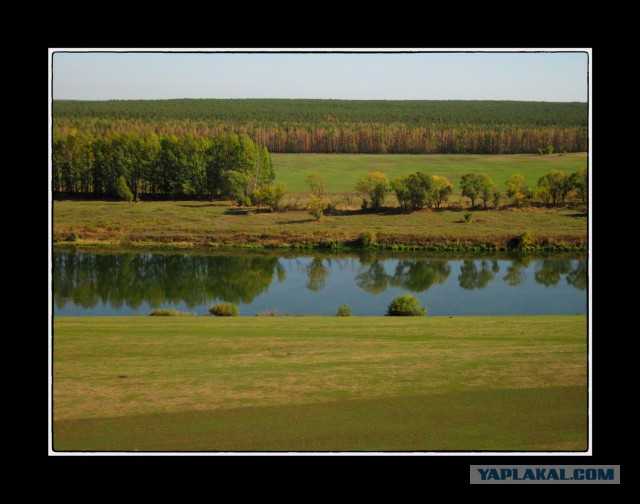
[
  {"x": 144, "y": 163},
  {"x": 342, "y": 126}
]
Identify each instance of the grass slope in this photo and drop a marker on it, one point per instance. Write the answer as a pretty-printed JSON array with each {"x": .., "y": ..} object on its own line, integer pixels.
[{"x": 313, "y": 384}]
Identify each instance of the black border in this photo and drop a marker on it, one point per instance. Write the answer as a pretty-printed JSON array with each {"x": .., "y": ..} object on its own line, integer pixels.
[{"x": 441, "y": 465}]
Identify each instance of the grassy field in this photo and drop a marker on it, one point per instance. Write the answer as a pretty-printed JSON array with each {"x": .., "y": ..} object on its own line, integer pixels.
[
  {"x": 320, "y": 384},
  {"x": 341, "y": 171},
  {"x": 202, "y": 223}
]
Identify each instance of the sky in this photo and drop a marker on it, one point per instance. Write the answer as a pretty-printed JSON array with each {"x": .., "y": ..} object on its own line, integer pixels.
[{"x": 550, "y": 76}]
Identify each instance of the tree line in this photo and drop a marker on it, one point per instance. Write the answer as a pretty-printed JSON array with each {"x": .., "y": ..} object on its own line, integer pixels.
[
  {"x": 419, "y": 190},
  {"x": 345, "y": 126},
  {"x": 146, "y": 163}
]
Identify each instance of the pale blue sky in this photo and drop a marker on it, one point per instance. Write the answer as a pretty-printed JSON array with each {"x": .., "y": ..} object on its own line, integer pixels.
[{"x": 415, "y": 76}]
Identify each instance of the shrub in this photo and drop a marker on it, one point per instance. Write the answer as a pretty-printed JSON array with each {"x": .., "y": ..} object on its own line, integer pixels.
[
  {"x": 224, "y": 310},
  {"x": 317, "y": 207},
  {"x": 442, "y": 189},
  {"x": 414, "y": 191},
  {"x": 400, "y": 185},
  {"x": 553, "y": 187},
  {"x": 269, "y": 196},
  {"x": 279, "y": 191},
  {"x": 516, "y": 189},
  {"x": 234, "y": 186},
  {"x": 406, "y": 306},
  {"x": 467, "y": 216},
  {"x": 344, "y": 311},
  {"x": 375, "y": 187},
  {"x": 580, "y": 181},
  {"x": 123, "y": 191},
  {"x": 163, "y": 312},
  {"x": 72, "y": 236},
  {"x": 317, "y": 185},
  {"x": 368, "y": 239},
  {"x": 477, "y": 186},
  {"x": 522, "y": 242}
]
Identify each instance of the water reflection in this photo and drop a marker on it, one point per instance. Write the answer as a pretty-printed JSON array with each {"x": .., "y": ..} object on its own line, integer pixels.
[
  {"x": 372, "y": 276},
  {"x": 549, "y": 272},
  {"x": 415, "y": 275},
  {"x": 577, "y": 276},
  {"x": 418, "y": 275},
  {"x": 516, "y": 271},
  {"x": 156, "y": 279},
  {"x": 85, "y": 280},
  {"x": 477, "y": 274},
  {"x": 317, "y": 274}
]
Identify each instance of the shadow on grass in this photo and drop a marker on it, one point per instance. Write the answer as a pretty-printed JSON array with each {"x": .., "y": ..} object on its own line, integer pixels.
[
  {"x": 379, "y": 211},
  {"x": 298, "y": 221},
  {"x": 236, "y": 211},
  {"x": 502, "y": 420}
]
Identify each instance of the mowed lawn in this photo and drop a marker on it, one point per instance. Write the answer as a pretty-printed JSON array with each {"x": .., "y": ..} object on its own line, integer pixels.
[
  {"x": 320, "y": 384},
  {"x": 342, "y": 171}
]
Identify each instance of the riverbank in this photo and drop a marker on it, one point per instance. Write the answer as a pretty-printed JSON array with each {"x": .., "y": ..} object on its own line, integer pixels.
[
  {"x": 188, "y": 224},
  {"x": 320, "y": 383}
]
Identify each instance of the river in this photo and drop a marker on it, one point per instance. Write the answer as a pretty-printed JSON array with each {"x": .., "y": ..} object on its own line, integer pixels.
[{"x": 296, "y": 283}]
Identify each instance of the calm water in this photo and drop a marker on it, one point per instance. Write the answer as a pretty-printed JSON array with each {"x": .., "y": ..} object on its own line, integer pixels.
[{"x": 132, "y": 283}]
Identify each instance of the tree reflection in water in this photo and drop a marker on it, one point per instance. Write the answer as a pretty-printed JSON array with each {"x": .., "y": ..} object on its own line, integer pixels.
[
  {"x": 416, "y": 275},
  {"x": 156, "y": 279},
  {"x": 317, "y": 274},
  {"x": 550, "y": 271},
  {"x": 88, "y": 279},
  {"x": 371, "y": 276},
  {"x": 473, "y": 277},
  {"x": 516, "y": 271}
]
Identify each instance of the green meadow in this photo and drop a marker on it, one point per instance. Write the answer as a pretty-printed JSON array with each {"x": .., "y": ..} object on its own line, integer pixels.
[
  {"x": 342, "y": 171},
  {"x": 320, "y": 383},
  {"x": 206, "y": 223}
]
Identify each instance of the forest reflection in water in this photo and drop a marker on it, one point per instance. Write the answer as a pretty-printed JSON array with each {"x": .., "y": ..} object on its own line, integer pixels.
[{"x": 298, "y": 283}]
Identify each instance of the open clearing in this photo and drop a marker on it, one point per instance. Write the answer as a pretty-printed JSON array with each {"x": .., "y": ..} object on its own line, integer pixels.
[
  {"x": 342, "y": 171},
  {"x": 320, "y": 383}
]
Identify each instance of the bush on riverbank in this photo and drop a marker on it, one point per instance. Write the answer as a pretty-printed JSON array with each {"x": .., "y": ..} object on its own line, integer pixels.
[
  {"x": 161, "y": 312},
  {"x": 406, "y": 306},
  {"x": 224, "y": 310},
  {"x": 344, "y": 311}
]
